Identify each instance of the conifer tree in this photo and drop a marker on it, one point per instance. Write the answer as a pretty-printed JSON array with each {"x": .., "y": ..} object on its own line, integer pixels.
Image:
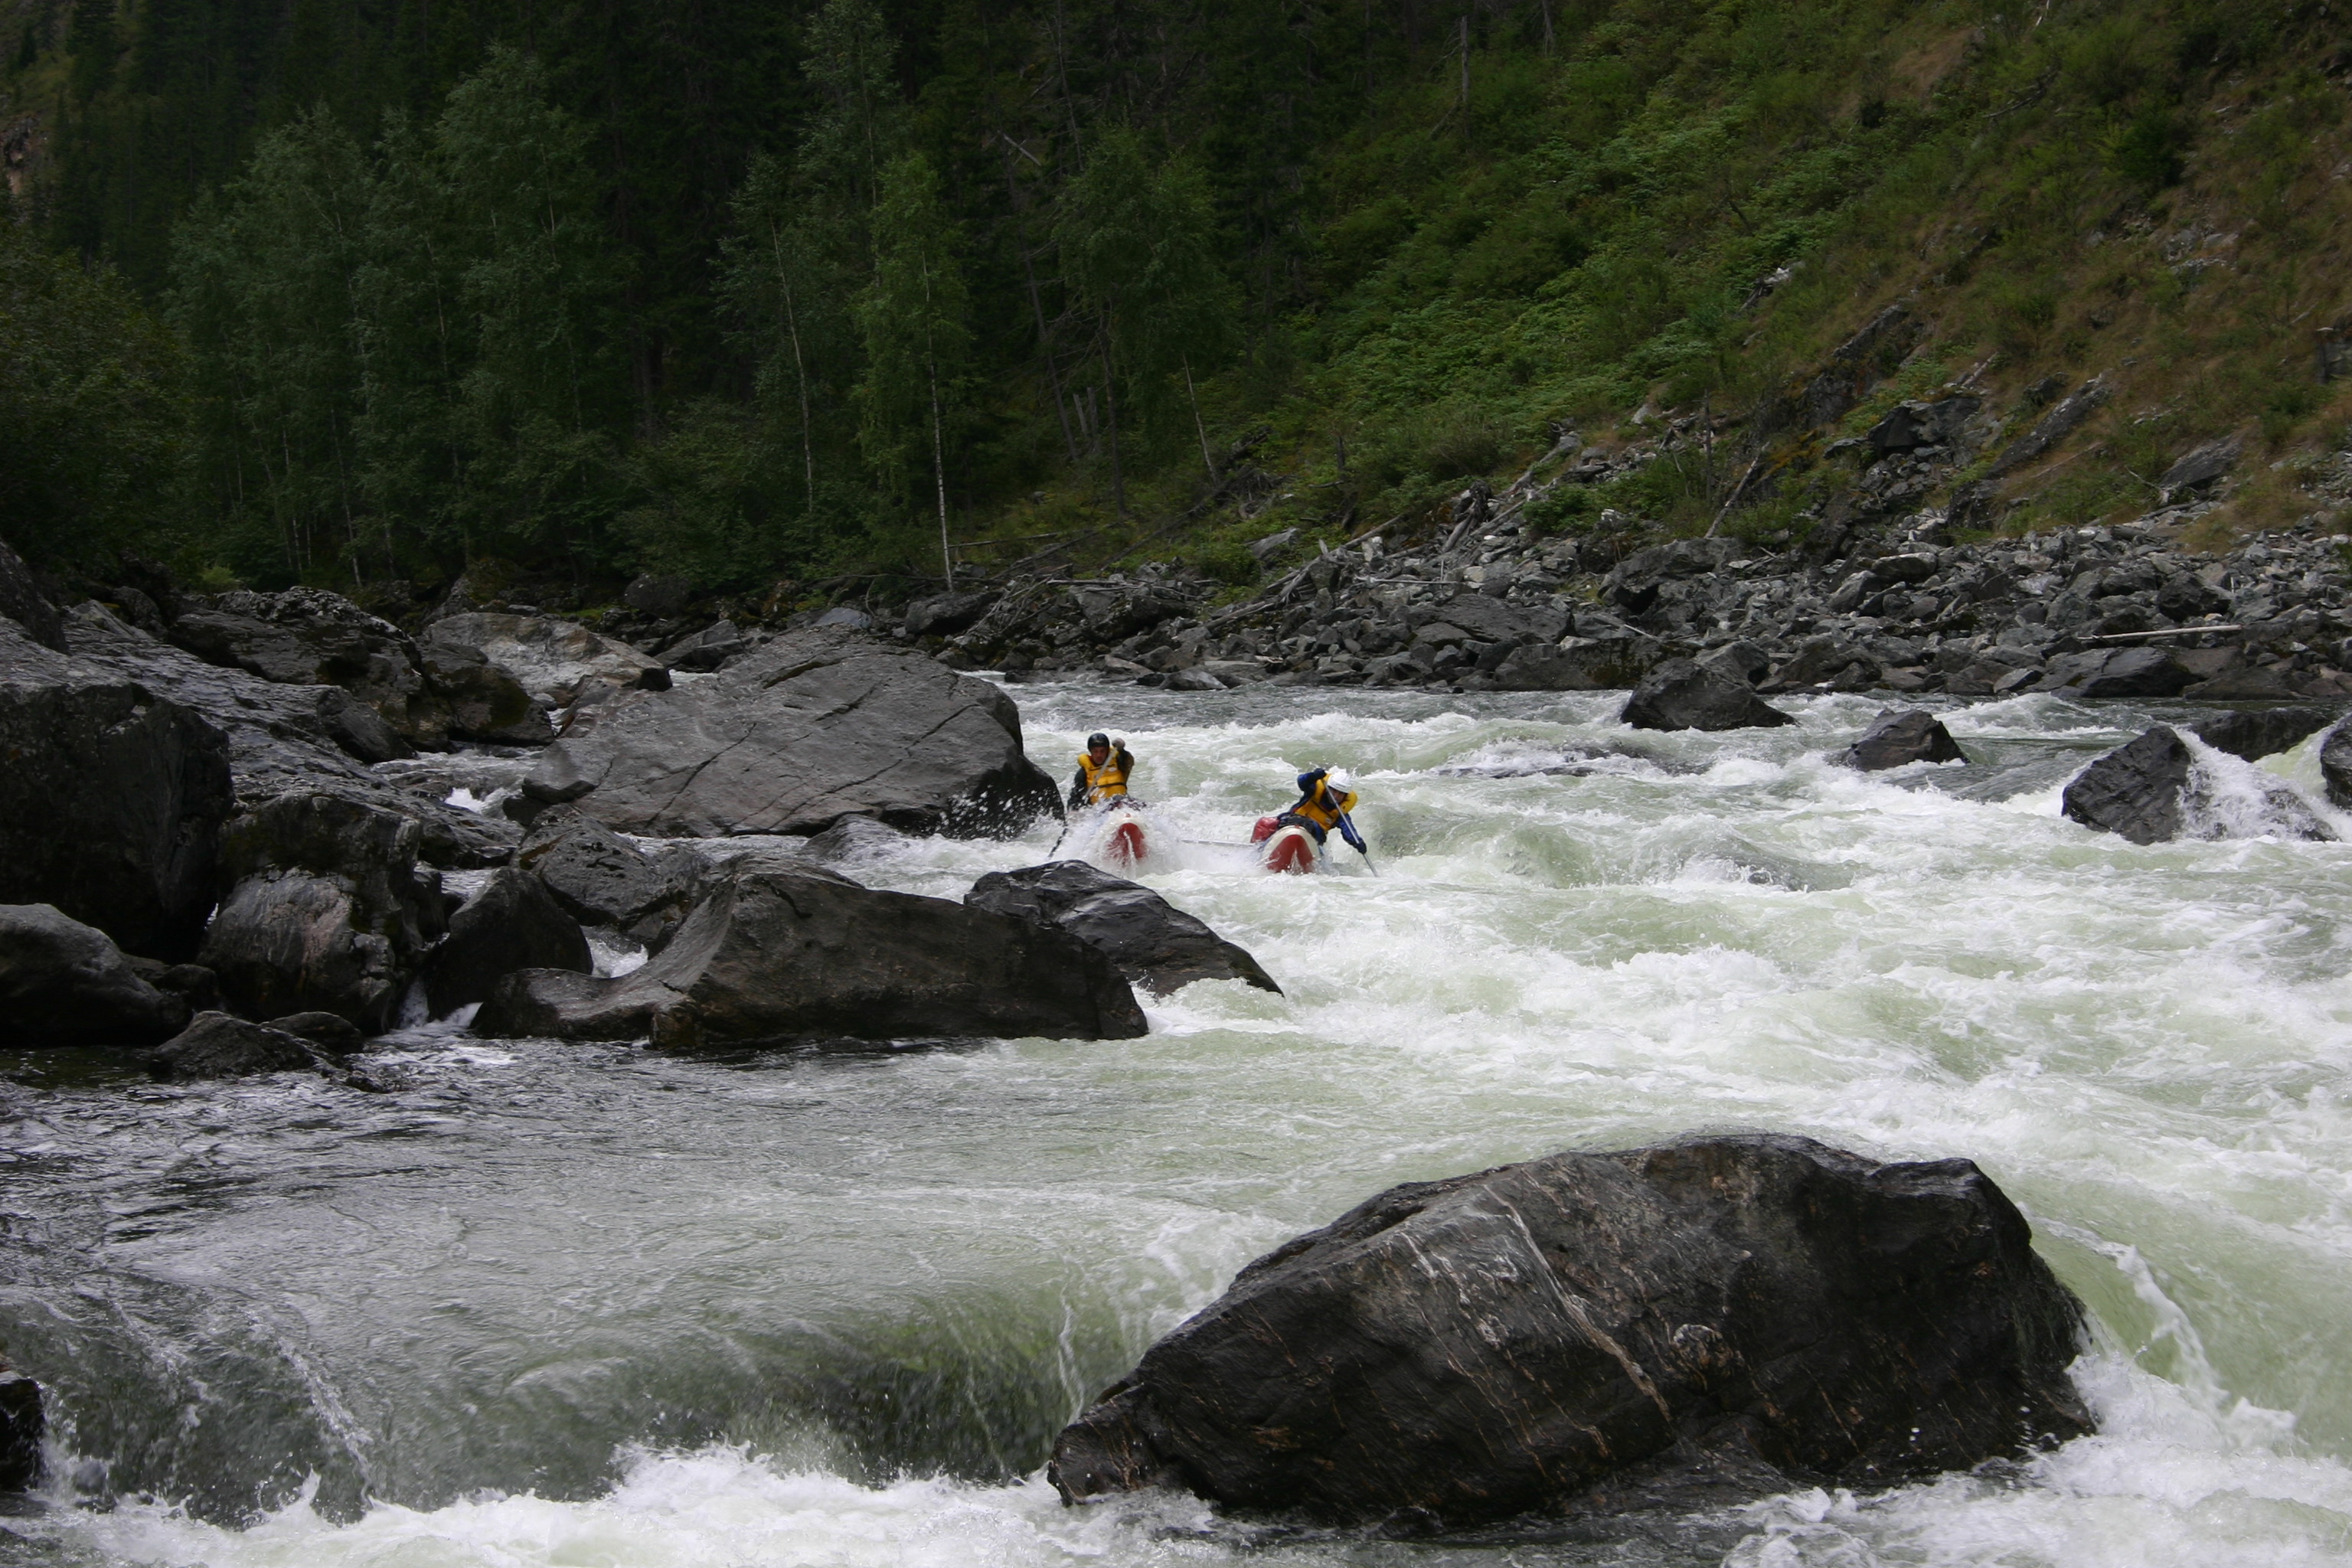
[{"x": 913, "y": 318}]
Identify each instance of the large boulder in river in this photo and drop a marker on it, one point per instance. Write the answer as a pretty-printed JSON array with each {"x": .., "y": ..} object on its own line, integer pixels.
[
  {"x": 601, "y": 879},
  {"x": 1155, "y": 945},
  {"x": 280, "y": 737},
  {"x": 560, "y": 663},
  {"x": 2153, "y": 789},
  {"x": 810, "y": 728},
  {"x": 514, "y": 922},
  {"x": 1683, "y": 695},
  {"x": 1588, "y": 1332},
  {"x": 326, "y": 909},
  {"x": 775, "y": 956},
  {"x": 23, "y": 1425},
  {"x": 1898, "y": 738},
  {"x": 111, "y": 797},
  {"x": 63, "y": 983}
]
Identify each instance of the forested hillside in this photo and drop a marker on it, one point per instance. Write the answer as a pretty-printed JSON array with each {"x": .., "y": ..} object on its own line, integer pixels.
[{"x": 787, "y": 297}]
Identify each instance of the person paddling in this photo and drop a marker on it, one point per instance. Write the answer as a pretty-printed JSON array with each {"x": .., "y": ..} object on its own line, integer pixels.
[
  {"x": 1103, "y": 771},
  {"x": 1324, "y": 802}
]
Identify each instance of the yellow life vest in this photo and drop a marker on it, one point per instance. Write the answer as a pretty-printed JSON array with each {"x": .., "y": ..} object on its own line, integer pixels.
[
  {"x": 1324, "y": 808},
  {"x": 1107, "y": 780}
]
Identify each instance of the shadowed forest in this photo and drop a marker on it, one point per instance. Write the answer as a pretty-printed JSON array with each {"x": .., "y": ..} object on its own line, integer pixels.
[{"x": 792, "y": 301}]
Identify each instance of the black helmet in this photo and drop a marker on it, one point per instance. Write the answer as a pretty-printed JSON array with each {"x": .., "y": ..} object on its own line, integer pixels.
[{"x": 1096, "y": 739}]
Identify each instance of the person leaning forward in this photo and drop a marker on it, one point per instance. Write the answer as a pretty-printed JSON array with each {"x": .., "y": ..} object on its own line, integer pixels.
[
  {"x": 1103, "y": 771},
  {"x": 1323, "y": 805}
]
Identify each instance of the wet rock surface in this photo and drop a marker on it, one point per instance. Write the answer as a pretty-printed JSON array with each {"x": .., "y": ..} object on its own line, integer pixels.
[
  {"x": 23, "y": 1425},
  {"x": 1895, "y": 739},
  {"x": 110, "y": 798},
  {"x": 808, "y": 730},
  {"x": 1683, "y": 695},
  {"x": 2255, "y": 733},
  {"x": 325, "y": 909},
  {"x": 513, "y": 922},
  {"x": 1155, "y": 945},
  {"x": 777, "y": 956},
  {"x": 64, "y": 983},
  {"x": 1586, "y": 1333},
  {"x": 220, "y": 1045},
  {"x": 2136, "y": 790},
  {"x": 561, "y": 664},
  {"x": 601, "y": 879},
  {"x": 278, "y": 739}
]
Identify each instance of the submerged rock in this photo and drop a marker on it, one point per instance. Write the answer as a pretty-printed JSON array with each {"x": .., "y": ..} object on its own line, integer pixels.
[
  {"x": 807, "y": 730},
  {"x": 215, "y": 1045},
  {"x": 1585, "y": 1332},
  {"x": 63, "y": 983},
  {"x": 514, "y": 922},
  {"x": 1896, "y": 738},
  {"x": 325, "y": 912},
  {"x": 775, "y": 956},
  {"x": 1155, "y": 945},
  {"x": 1682, "y": 695},
  {"x": 110, "y": 799}
]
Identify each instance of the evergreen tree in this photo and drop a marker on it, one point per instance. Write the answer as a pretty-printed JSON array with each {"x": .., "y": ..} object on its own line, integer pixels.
[
  {"x": 913, "y": 318},
  {"x": 1137, "y": 245}
]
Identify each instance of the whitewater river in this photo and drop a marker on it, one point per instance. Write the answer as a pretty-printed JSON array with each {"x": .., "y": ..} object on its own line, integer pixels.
[{"x": 591, "y": 1307}]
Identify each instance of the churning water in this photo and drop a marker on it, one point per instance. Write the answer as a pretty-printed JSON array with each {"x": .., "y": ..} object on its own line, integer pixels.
[{"x": 551, "y": 1305}]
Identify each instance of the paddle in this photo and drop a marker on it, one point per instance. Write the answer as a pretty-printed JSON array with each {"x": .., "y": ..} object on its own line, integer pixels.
[{"x": 1356, "y": 842}]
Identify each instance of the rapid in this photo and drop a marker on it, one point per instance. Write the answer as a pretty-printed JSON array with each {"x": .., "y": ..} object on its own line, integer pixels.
[{"x": 547, "y": 1305}]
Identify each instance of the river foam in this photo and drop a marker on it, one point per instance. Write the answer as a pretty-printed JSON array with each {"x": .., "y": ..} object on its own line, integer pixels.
[{"x": 563, "y": 1305}]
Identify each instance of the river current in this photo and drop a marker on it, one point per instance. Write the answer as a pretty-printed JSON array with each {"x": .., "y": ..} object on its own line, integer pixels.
[{"x": 548, "y": 1305}]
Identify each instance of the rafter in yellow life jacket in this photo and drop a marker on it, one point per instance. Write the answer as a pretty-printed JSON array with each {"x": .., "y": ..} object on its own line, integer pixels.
[{"x": 1106, "y": 779}]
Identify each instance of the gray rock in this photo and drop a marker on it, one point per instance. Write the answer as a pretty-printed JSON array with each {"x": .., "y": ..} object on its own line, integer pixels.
[
  {"x": 944, "y": 615},
  {"x": 842, "y": 617},
  {"x": 655, "y": 594},
  {"x": 2202, "y": 466},
  {"x": 308, "y": 636},
  {"x": 2336, "y": 764},
  {"x": 807, "y": 730},
  {"x": 2052, "y": 428},
  {"x": 856, "y": 839},
  {"x": 1577, "y": 664},
  {"x": 1196, "y": 679},
  {"x": 337, "y": 1037},
  {"x": 705, "y": 650},
  {"x": 1635, "y": 583},
  {"x": 2137, "y": 790},
  {"x": 110, "y": 801},
  {"x": 216, "y": 1044},
  {"x": 485, "y": 702},
  {"x": 277, "y": 740},
  {"x": 1233, "y": 672},
  {"x": 1821, "y": 661},
  {"x": 2258, "y": 732},
  {"x": 513, "y": 922},
  {"x": 1743, "y": 661},
  {"x": 63, "y": 983},
  {"x": 2243, "y": 683},
  {"x": 559, "y": 663},
  {"x": 1911, "y": 425},
  {"x": 2117, "y": 673},
  {"x": 599, "y": 877},
  {"x": 1674, "y": 1326},
  {"x": 1679, "y": 695},
  {"x": 1155, "y": 945},
  {"x": 22, "y": 601},
  {"x": 325, "y": 912},
  {"x": 774, "y": 956},
  {"x": 1896, "y": 738}
]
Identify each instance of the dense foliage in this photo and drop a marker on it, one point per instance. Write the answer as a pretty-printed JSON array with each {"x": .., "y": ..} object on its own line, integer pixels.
[{"x": 758, "y": 291}]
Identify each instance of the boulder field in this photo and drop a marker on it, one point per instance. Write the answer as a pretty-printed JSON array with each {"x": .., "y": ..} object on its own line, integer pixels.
[{"x": 1674, "y": 1326}]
